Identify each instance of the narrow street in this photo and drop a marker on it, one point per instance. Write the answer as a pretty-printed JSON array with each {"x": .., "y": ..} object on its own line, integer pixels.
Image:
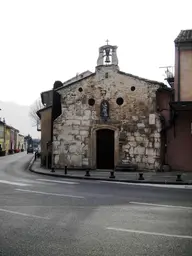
[{"x": 42, "y": 215}]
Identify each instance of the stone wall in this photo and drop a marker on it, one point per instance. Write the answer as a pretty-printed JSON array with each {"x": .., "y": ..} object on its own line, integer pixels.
[
  {"x": 45, "y": 134},
  {"x": 136, "y": 123}
]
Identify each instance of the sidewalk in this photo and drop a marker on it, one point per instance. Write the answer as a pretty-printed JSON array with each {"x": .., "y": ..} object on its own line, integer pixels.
[{"x": 149, "y": 177}]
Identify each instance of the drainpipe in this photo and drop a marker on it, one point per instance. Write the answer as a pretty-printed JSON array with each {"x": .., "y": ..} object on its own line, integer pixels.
[
  {"x": 54, "y": 113},
  {"x": 52, "y": 131},
  {"x": 178, "y": 92}
]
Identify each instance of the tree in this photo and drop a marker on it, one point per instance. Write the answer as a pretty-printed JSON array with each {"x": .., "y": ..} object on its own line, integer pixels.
[{"x": 37, "y": 105}]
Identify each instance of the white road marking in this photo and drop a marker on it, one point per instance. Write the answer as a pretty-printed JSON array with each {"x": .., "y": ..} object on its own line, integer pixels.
[
  {"x": 162, "y": 205},
  {"x": 34, "y": 182},
  {"x": 148, "y": 184},
  {"x": 59, "y": 181},
  {"x": 13, "y": 183},
  {"x": 148, "y": 233},
  {"x": 116, "y": 182},
  {"x": 47, "y": 193},
  {"x": 23, "y": 214}
]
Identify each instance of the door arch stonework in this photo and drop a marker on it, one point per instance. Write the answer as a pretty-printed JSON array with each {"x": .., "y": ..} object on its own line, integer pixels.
[{"x": 93, "y": 149}]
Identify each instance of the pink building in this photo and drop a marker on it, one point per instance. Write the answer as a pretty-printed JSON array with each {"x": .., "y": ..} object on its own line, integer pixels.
[{"x": 176, "y": 108}]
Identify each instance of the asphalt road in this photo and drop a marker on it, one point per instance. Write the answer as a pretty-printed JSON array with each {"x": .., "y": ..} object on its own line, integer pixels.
[{"x": 42, "y": 215}]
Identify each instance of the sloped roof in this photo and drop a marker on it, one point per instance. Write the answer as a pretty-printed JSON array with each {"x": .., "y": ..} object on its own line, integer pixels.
[
  {"x": 42, "y": 109},
  {"x": 167, "y": 89},
  {"x": 184, "y": 36},
  {"x": 120, "y": 72},
  {"x": 78, "y": 77},
  {"x": 11, "y": 127},
  {"x": 143, "y": 79},
  {"x": 75, "y": 79},
  {"x": 21, "y": 135}
]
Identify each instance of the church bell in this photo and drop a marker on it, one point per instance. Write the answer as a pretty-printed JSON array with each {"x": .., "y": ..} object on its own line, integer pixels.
[
  {"x": 107, "y": 59},
  {"x": 107, "y": 52}
]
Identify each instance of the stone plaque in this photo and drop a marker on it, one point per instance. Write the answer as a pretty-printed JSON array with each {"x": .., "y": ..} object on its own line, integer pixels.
[{"x": 151, "y": 119}]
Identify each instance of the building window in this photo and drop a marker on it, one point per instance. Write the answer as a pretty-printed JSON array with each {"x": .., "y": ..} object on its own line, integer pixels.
[
  {"x": 132, "y": 88},
  {"x": 119, "y": 101},
  {"x": 106, "y": 75},
  {"x": 91, "y": 102},
  {"x": 80, "y": 89}
]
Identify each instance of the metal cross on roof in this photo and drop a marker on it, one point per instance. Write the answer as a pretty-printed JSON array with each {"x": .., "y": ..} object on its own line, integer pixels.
[{"x": 107, "y": 41}]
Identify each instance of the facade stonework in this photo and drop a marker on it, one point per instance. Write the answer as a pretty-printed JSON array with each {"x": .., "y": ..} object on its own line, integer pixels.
[{"x": 135, "y": 123}]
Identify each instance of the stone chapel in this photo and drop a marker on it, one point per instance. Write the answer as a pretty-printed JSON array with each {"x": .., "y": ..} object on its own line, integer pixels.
[{"x": 109, "y": 118}]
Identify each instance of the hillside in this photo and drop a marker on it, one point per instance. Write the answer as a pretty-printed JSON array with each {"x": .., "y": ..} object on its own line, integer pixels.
[{"x": 18, "y": 117}]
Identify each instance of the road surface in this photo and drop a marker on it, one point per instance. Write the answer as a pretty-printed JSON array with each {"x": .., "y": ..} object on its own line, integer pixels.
[{"x": 42, "y": 215}]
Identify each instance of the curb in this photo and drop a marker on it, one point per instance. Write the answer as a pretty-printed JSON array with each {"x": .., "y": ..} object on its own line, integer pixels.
[
  {"x": 31, "y": 164},
  {"x": 105, "y": 179}
]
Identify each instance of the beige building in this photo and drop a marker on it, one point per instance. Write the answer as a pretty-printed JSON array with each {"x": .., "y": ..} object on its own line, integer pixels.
[
  {"x": 108, "y": 119},
  {"x": 45, "y": 124},
  {"x": 20, "y": 142},
  {"x": 183, "y": 66}
]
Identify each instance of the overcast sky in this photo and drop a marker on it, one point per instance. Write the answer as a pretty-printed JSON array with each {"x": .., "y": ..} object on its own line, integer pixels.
[{"x": 46, "y": 40}]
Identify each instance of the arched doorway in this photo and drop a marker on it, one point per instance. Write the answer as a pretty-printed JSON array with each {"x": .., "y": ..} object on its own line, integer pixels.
[{"x": 105, "y": 149}]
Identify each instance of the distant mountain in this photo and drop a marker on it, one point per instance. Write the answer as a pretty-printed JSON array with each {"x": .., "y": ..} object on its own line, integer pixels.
[{"x": 18, "y": 116}]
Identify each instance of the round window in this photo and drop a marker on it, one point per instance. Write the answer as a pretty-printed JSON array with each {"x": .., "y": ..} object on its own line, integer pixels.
[
  {"x": 132, "y": 88},
  {"x": 91, "y": 102},
  {"x": 119, "y": 101},
  {"x": 80, "y": 89}
]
